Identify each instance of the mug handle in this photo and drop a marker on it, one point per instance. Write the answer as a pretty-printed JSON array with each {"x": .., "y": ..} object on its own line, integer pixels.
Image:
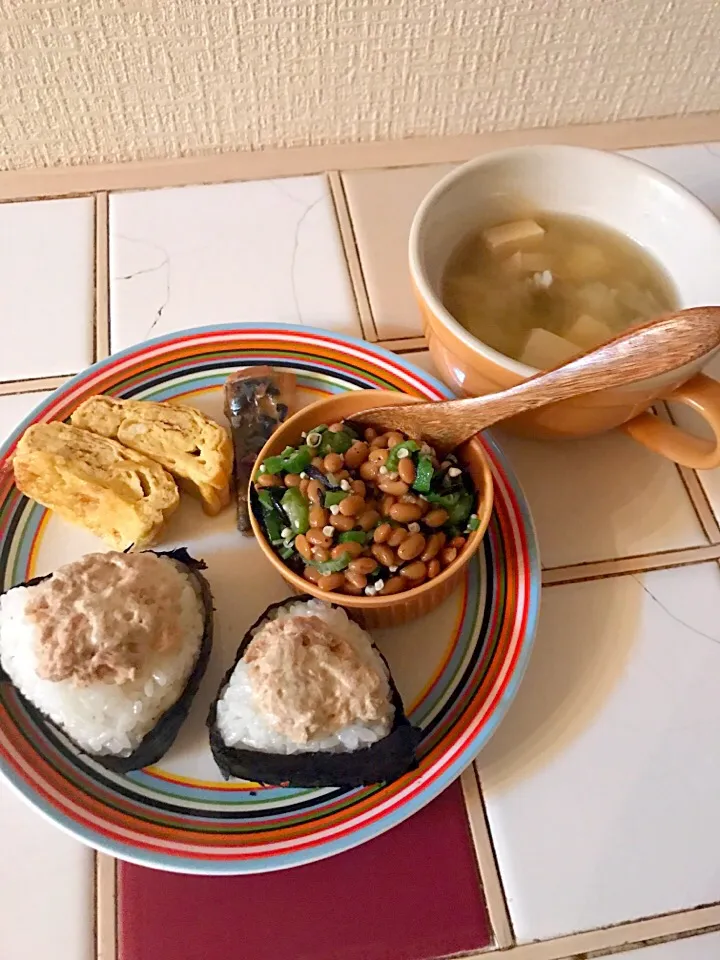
[{"x": 702, "y": 394}]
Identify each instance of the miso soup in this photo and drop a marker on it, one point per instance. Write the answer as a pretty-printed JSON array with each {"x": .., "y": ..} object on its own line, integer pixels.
[{"x": 545, "y": 289}]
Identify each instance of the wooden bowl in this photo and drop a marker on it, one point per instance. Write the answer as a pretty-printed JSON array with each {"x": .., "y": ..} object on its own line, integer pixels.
[{"x": 398, "y": 608}]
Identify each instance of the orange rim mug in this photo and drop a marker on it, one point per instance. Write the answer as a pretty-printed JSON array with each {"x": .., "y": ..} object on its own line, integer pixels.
[{"x": 626, "y": 195}]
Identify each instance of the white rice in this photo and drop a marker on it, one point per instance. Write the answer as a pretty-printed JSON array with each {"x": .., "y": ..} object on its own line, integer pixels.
[
  {"x": 242, "y": 725},
  {"x": 102, "y": 718}
]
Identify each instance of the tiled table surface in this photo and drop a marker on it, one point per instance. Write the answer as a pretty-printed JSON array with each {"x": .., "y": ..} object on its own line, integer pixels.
[{"x": 596, "y": 825}]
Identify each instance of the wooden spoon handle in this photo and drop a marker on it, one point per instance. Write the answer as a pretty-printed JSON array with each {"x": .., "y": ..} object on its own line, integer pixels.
[{"x": 641, "y": 354}]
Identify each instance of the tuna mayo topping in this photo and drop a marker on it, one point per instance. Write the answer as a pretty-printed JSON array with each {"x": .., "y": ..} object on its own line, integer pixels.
[{"x": 310, "y": 683}]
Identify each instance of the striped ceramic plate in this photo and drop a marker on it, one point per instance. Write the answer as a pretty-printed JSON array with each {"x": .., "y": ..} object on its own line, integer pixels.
[{"x": 457, "y": 670}]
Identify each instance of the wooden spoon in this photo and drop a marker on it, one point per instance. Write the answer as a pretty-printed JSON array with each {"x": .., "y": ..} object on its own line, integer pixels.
[{"x": 644, "y": 352}]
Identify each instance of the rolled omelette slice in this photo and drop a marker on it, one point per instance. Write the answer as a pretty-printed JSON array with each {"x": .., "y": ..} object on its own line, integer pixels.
[
  {"x": 195, "y": 449},
  {"x": 94, "y": 482}
]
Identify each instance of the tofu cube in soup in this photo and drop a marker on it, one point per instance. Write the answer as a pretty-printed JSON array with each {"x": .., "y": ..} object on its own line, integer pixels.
[
  {"x": 588, "y": 333},
  {"x": 546, "y": 350},
  {"x": 507, "y": 234}
]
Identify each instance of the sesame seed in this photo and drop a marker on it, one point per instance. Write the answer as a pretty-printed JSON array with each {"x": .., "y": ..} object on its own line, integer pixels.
[
  {"x": 303, "y": 476},
  {"x": 303, "y": 434},
  {"x": 379, "y": 584},
  {"x": 263, "y": 468},
  {"x": 392, "y": 476},
  {"x": 454, "y": 472},
  {"x": 414, "y": 527},
  {"x": 393, "y": 569},
  {"x": 383, "y": 470},
  {"x": 328, "y": 530},
  {"x": 543, "y": 279},
  {"x": 335, "y": 509},
  {"x": 285, "y": 533},
  {"x": 370, "y": 591},
  {"x": 403, "y": 453},
  {"x": 344, "y": 484}
]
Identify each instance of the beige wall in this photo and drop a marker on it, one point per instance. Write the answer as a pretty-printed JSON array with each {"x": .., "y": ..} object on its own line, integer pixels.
[{"x": 87, "y": 81}]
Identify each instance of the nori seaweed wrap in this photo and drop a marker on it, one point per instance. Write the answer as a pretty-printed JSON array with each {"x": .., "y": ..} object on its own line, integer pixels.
[
  {"x": 386, "y": 759},
  {"x": 155, "y": 743}
]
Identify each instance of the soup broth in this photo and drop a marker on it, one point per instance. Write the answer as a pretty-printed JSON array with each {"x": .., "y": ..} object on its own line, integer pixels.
[{"x": 545, "y": 289}]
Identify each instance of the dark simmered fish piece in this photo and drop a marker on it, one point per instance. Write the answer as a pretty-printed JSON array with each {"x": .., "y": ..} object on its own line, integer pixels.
[{"x": 257, "y": 401}]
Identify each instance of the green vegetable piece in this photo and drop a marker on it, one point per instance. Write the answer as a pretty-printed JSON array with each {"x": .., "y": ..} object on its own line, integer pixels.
[
  {"x": 290, "y": 460},
  {"x": 393, "y": 459},
  {"x": 333, "y": 497},
  {"x": 446, "y": 500},
  {"x": 298, "y": 460},
  {"x": 297, "y": 509},
  {"x": 286, "y": 553},
  {"x": 271, "y": 518},
  {"x": 331, "y": 566},
  {"x": 423, "y": 475},
  {"x": 473, "y": 523},
  {"x": 462, "y": 509},
  {"x": 353, "y": 536},
  {"x": 458, "y": 505},
  {"x": 338, "y": 442},
  {"x": 273, "y": 464}
]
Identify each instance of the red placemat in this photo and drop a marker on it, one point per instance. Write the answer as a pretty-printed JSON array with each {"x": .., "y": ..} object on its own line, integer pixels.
[{"x": 410, "y": 894}]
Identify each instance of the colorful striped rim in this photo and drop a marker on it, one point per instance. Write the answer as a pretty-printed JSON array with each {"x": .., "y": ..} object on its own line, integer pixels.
[{"x": 173, "y": 822}]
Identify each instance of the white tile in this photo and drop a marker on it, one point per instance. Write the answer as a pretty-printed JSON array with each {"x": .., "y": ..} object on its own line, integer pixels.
[
  {"x": 46, "y": 287},
  {"x": 263, "y": 251},
  {"x": 696, "y": 167},
  {"x": 39, "y": 863},
  {"x": 13, "y": 410},
  {"x": 601, "y": 498},
  {"x": 46, "y": 887},
  {"x": 382, "y": 204},
  {"x": 703, "y": 947},
  {"x": 602, "y": 783}
]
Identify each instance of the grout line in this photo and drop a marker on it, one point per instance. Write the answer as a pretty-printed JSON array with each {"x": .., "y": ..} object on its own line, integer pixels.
[
  {"x": 102, "y": 278},
  {"x": 352, "y": 256},
  {"x": 613, "y": 940},
  {"x": 701, "y": 504},
  {"x": 624, "y": 949},
  {"x": 33, "y": 386},
  {"x": 276, "y": 162},
  {"x": 487, "y": 863},
  {"x": 695, "y": 489},
  {"x": 602, "y": 569},
  {"x": 406, "y": 345},
  {"x": 105, "y": 907}
]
